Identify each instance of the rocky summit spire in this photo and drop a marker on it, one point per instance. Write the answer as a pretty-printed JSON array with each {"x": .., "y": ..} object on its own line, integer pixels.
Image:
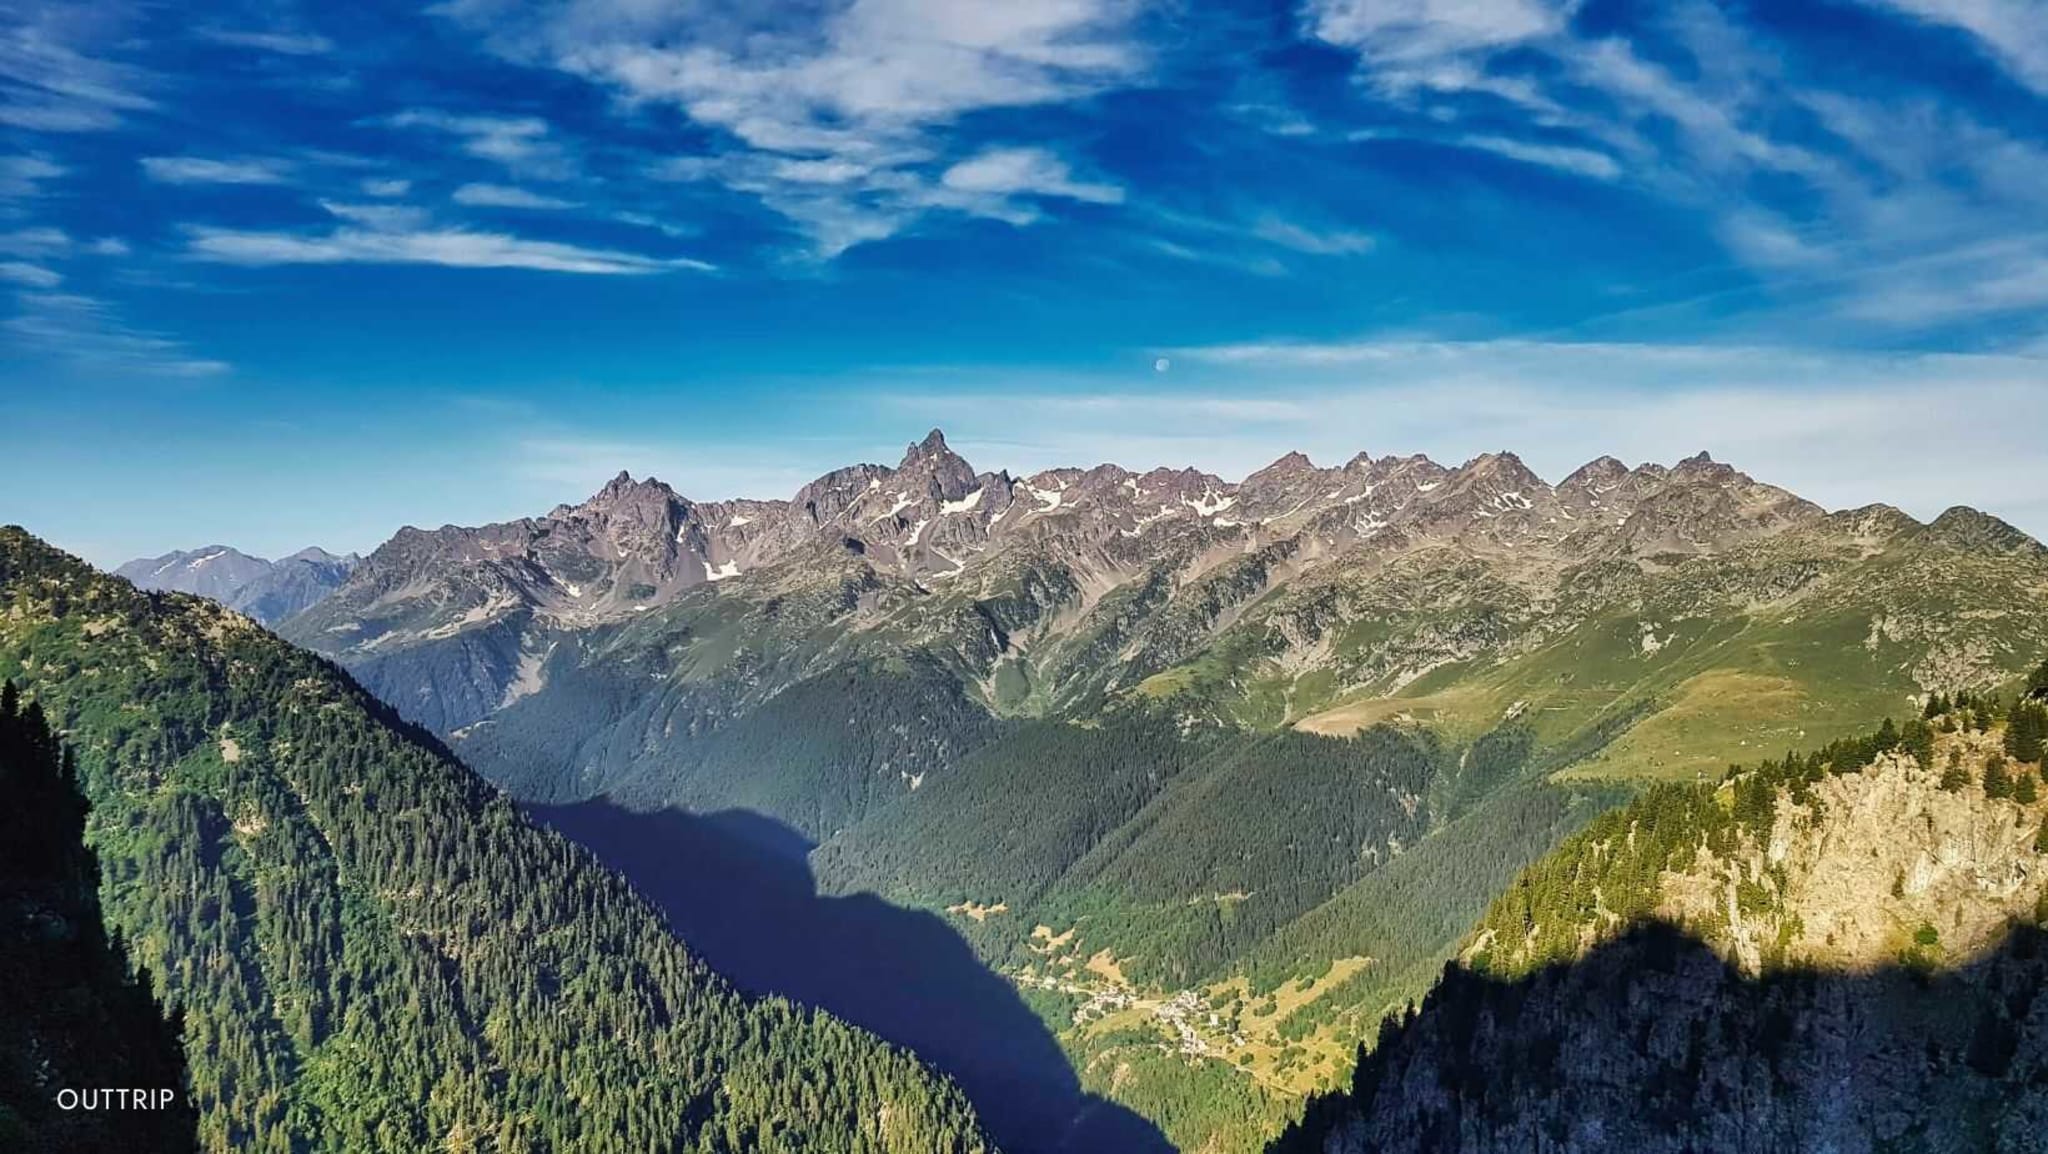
[
  {"x": 647, "y": 501},
  {"x": 950, "y": 474},
  {"x": 933, "y": 445}
]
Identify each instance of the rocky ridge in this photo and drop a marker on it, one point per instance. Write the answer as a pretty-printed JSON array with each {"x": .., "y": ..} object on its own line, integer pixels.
[
  {"x": 1858, "y": 971},
  {"x": 1283, "y": 598}
]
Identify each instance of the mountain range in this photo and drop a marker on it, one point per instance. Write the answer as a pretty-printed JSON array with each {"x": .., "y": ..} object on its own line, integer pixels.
[
  {"x": 268, "y": 591},
  {"x": 1215, "y": 772},
  {"x": 1323, "y": 599}
]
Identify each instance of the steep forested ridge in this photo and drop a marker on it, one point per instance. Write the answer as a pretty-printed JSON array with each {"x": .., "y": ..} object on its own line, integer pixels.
[
  {"x": 372, "y": 949},
  {"x": 1211, "y": 914},
  {"x": 1840, "y": 949},
  {"x": 72, "y": 1015}
]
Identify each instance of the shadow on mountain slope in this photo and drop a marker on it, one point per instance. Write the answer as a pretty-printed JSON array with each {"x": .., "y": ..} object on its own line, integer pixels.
[
  {"x": 737, "y": 888},
  {"x": 1652, "y": 1044}
]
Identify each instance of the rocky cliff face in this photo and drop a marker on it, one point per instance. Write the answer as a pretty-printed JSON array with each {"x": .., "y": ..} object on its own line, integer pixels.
[
  {"x": 1850, "y": 874},
  {"x": 1824, "y": 960}
]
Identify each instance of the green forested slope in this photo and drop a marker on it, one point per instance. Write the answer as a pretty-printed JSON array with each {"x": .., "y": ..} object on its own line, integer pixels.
[
  {"x": 1212, "y": 915},
  {"x": 1838, "y": 949},
  {"x": 374, "y": 951},
  {"x": 72, "y": 1015}
]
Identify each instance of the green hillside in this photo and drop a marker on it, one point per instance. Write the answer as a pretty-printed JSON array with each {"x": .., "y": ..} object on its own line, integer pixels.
[
  {"x": 371, "y": 949},
  {"x": 73, "y": 1016},
  {"x": 1788, "y": 642},
  {"x": 1841, "y": 946}
]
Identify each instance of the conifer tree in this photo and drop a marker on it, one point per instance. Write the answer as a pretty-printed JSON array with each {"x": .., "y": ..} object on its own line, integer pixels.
[
  {"x": 1955, "y": 777},
  {"x": 1918, "y": 740},
  {"x": 2026, "y": 731},
  {"x": 1997, "y": 782}
]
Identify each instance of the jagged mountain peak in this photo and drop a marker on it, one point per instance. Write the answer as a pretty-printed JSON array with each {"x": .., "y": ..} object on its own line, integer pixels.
[
  {"x": 1500, "y": 463},
  {"x": 1703, "y": 466},
  {"x": 1599, "y": 471},
  {"x": 1499, "y": 478},
  {"x": 1975, "y": 529},
  {"x": 932, "y": 463},
  {"x": 1413, "y": 462},
  {"x": 933, "y": 447},
  {"x": 1293, "y": 463},
  {"x": 1167, "y": 477},
  {"x": 623, "y": 489}
]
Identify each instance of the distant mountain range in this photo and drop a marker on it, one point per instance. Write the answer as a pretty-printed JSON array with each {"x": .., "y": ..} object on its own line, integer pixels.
[
  {"x": 1246, "y": 759},
  {"x": 1301, "y": 595},
  {"x": 269, "y": 591}
]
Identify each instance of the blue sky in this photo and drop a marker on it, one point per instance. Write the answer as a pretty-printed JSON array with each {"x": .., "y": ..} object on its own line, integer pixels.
[{"x": 276, "y": 274}]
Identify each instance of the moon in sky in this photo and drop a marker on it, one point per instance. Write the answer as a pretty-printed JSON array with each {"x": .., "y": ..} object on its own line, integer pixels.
[{"x": 1161, "y": 365}]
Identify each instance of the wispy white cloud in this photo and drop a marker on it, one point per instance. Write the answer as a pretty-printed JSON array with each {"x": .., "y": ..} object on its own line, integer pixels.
[
  {"x": 1003, "y": 183},
  {"x": 2015, "y": 32},
  {"x": 1246, "y": 240},
  {"x": 1410, "y": 44},
  {"x": 402, "y": 234},
  {"x": 451, "y": 247},
  {"x": 525, "y": 145},
  {"x": 1025, "y": 171},
  {"x": 1583, "y": 161},
  {"x": 86, "y": 334},
  {"x": 40, "y": 242},
  {"x": 1210, "y": 254},
  {"x": 386, "y": 186},
  {"x": 60, "y": 70},
  {"x": 23, "y": 177},
  {"x": 283, "y": 43},
  {"x": 1999, "y": 279},
  {"x": 209, "y": 170},
  {"x": 839, "y": 124},
  {"x": 32, "y": 275},
  {"x": 1898, "y": 214},
  {"x": 1315, "y": 242},
  {"x": 506, "y": 196}
]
